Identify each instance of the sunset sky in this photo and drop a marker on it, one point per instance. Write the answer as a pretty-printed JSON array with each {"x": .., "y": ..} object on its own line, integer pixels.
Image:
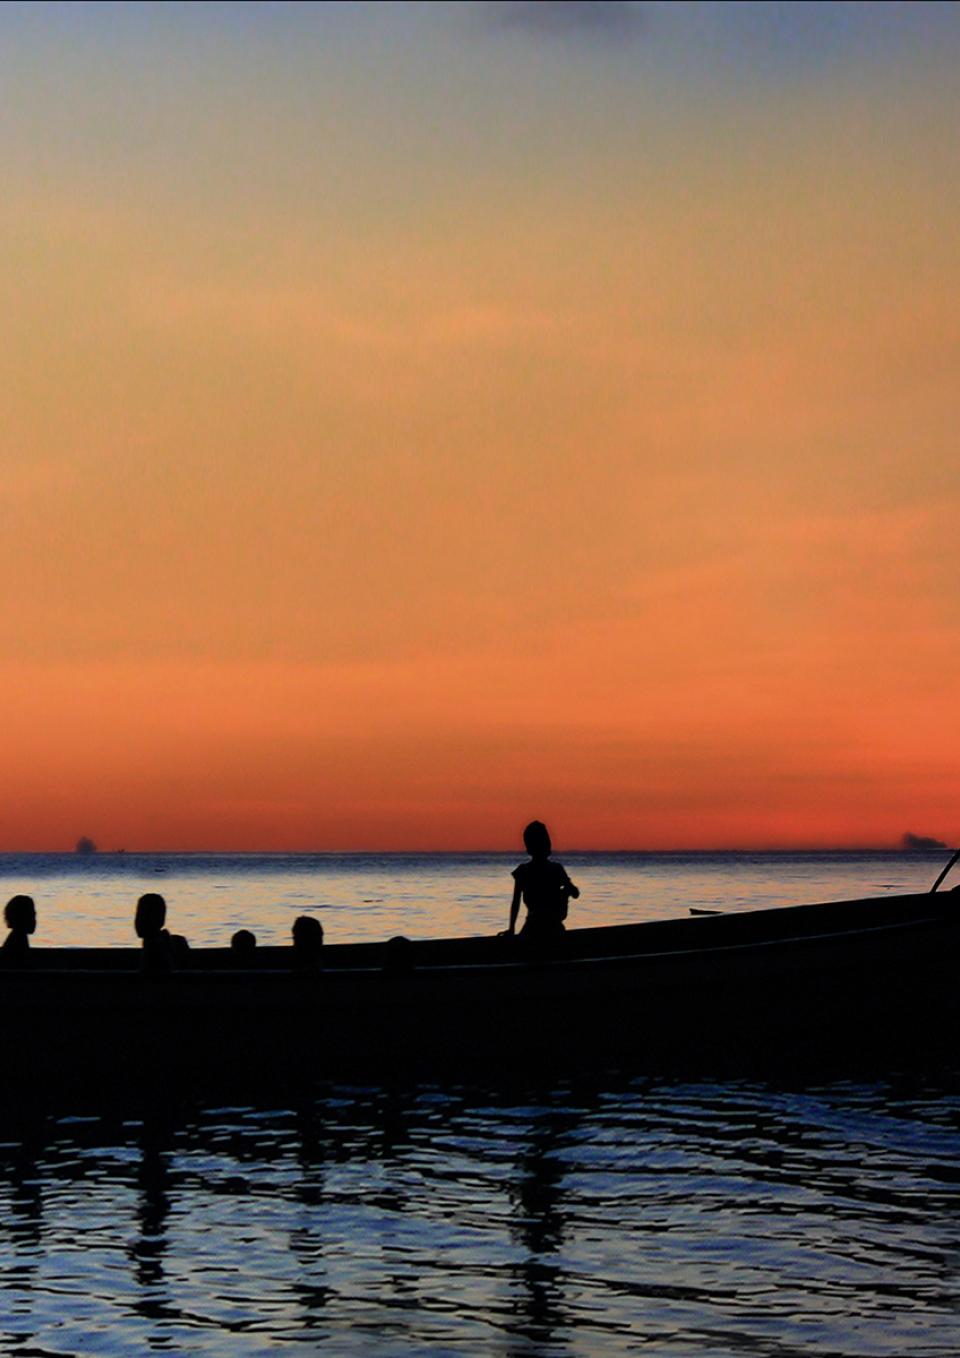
[{"x": 419, "y": 418}]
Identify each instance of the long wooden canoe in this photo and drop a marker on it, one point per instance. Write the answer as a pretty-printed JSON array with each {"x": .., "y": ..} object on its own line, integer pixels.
[{"x": 788, "y": 983}]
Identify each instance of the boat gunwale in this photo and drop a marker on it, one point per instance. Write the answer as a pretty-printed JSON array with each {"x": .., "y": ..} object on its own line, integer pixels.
[{"x": 529, "y": 961}]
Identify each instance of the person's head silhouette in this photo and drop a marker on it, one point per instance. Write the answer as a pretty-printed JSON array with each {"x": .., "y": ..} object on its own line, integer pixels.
[
  {"x": 20, "y": 915},
  {"x": 398, "y": 956},
  {"x": 307, "y": 943},
  {"x": 151, "y": 915},
  {"x": 243, "y": 943},
  {"x": 307, "y": 934},
  {"x": 536, "y": 840}
]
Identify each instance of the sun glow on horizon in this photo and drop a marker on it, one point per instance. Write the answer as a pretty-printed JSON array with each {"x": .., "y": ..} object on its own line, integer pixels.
[{"x": 415, "y": 422}]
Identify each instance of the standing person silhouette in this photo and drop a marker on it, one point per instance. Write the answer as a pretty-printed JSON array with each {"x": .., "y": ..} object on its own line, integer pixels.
[{"x": 542, "y": 885}]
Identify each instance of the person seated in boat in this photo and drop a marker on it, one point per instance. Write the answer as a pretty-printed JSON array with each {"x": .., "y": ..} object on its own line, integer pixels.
[
  {"x": 162, "y": 951},
  {"x": 307, "y": 943},
  {"x": 20, "y": 915},
  {"x": 542, "y": 885},
  {"x": 398, "y": 956},
  {"x": 243, "y": 948}
]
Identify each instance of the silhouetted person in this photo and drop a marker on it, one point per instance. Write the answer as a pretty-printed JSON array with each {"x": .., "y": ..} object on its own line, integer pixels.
[
  {"x": 398, "y": 956},
  {"x": 162, "y": 951},
  {"x": 307, "y": 943},
  {"x": 243, "y": 947},
  {"x": 20, "y": 914},
  {"x": 542, "y": 885},
  {"x": 179, "y": 951}
]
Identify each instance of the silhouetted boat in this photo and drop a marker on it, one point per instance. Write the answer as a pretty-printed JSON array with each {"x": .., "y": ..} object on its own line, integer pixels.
[{"x": 789, "y": 984}]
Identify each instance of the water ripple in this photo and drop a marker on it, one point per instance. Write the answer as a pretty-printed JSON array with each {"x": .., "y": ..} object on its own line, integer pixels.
[{"x": 675, "y": 1218}]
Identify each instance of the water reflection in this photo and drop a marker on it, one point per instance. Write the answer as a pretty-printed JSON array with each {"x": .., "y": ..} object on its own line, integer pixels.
[
  {"x": 537, "y": 1226},
  {"x": 24, "y": 1222},
  {"x": 679, "y": 1218},
  {"x": 309, "y": 1285},
  {"x": 147, "y": 1250}
]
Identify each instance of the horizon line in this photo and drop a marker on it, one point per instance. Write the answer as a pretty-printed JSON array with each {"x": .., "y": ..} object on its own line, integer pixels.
[{"x": 897, "y": 847}]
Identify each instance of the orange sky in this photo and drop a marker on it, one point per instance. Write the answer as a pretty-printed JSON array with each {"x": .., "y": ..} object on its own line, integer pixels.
[{"x": 413, "y": 424}]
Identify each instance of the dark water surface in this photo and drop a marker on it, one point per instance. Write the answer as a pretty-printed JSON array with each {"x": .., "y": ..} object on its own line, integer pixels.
[
  {"x": 628, "y": 1215},
  {"x": 631, "y": 1216}
]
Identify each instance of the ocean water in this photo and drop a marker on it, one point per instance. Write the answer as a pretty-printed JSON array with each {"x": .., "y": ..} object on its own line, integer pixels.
[
  {"x": 624, "y": 1215},
  {"x": 374, "y": 896}
]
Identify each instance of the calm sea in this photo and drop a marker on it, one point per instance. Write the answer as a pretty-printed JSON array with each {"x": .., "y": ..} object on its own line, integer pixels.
[
  {"x": 374, "y": 896},
  {"x": 627, "y": 1215}
]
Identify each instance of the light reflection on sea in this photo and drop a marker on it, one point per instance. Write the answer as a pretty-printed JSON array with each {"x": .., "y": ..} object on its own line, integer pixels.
[
  {"x": 683, "y": 1220},
  {"x": 374, "y": 896},
  {"x": 674, "y": 1219}
]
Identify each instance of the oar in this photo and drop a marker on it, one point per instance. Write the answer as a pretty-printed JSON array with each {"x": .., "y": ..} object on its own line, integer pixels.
[{"x": 945, "y": 871}]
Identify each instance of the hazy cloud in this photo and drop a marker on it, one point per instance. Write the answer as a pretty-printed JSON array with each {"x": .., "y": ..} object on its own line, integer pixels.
[
  {"x": 768, "y": 38},
  {"x": 563, "y": 18}
]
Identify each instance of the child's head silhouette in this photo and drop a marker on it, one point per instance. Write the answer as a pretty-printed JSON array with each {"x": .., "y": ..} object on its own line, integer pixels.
[
  {"x": 20, "y": 914},
  {"x": 150, "y": 916},
  {"x": 536, "y": 840}
]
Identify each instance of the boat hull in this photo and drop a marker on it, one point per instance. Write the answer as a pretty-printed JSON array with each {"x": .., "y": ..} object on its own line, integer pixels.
[{"x": 824, "y": 984}]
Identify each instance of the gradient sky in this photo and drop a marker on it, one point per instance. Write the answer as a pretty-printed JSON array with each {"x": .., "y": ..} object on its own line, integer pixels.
[{"x": 419, "y": 418}]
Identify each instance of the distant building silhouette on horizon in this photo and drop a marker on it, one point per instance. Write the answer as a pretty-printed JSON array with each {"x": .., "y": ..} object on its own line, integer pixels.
[{"x": 913, "y": 843}]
